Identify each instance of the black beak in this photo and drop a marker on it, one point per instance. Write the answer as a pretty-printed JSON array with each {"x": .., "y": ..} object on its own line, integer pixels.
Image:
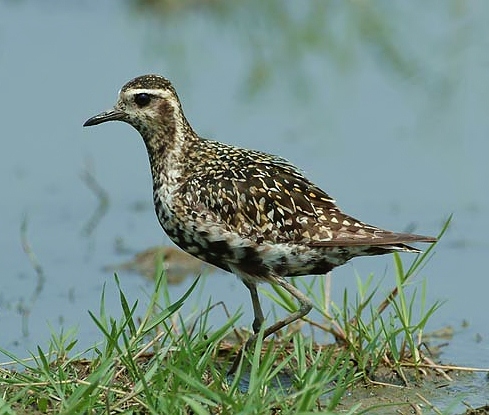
[{"x": 111, "y": 115}]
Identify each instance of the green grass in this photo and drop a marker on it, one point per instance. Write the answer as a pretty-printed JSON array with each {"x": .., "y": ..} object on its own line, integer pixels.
[{"x": 153, "y": 360}]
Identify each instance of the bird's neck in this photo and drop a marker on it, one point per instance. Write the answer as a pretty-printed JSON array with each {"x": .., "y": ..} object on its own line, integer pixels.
[{"x": 167, "y": 147}]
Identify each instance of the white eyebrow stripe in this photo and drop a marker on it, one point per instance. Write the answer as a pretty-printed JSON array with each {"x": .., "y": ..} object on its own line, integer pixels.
[{"x": 164, "y": 93}]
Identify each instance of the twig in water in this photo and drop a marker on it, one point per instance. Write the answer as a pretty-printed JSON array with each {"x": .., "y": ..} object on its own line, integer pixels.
[
  {"x": 88, "y": 178},
  {"x": 25, "y": 309}
]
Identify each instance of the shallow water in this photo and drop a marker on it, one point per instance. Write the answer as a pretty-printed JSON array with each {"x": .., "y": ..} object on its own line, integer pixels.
[{"x": 385, "y": 107}]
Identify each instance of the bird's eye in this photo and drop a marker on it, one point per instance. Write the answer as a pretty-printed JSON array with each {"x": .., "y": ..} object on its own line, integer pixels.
[{"x": 142, "y": 99}]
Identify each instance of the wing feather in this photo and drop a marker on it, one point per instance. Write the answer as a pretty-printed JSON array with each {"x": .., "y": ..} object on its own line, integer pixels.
[{"x": 265, "y": 198}]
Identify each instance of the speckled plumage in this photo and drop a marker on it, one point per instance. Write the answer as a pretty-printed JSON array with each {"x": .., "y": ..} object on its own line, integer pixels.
[{"x": 242, "y": 210}]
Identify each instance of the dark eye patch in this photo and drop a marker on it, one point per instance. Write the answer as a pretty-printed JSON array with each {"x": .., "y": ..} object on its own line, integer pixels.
[{"x": 142, "y": 99}]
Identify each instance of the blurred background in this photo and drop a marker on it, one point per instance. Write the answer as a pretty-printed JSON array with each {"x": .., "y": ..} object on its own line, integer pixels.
[{"x": 382, "y": 104}]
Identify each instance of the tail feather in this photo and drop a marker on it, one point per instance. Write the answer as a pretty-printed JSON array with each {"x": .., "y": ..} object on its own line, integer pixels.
[{"x": 384, "y": 239}]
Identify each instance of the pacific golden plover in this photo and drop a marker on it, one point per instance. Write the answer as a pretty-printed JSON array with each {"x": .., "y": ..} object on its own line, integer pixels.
[{"x": 247, "y": 212}]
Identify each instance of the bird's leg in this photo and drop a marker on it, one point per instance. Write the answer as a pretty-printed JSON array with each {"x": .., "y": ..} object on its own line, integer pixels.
[
  {"x": 257, "y": 311},
  {"x": 305, "y": 305}
]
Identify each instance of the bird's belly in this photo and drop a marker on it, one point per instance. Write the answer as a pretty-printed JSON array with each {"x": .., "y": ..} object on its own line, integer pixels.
[
  {"x": 213, "y": 243},
  {"x": 293, "y": 260},
  {"x": 206, "y": 241},
  {"x": 229, "y": 251}
]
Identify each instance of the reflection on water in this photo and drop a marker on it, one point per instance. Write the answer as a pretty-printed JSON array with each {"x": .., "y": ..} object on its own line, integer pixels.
[
  {"x": 298, "y": 36},
  {"x": 176, "y": 264},
  {"x": 103, "y": 201}
]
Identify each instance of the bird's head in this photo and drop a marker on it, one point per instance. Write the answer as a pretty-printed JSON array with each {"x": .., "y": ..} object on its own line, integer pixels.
[{"x": 149, "y": 103}]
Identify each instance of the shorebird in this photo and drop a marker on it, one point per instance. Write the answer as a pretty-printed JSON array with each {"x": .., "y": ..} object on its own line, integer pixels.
[{"x": 247, "y": 212}]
